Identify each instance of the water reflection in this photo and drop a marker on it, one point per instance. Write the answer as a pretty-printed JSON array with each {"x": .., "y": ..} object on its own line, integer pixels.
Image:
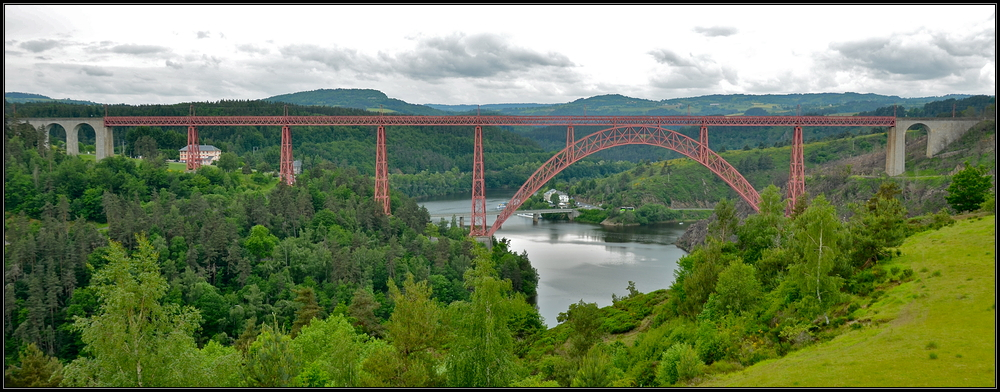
[{"x": 582, "y": 261}]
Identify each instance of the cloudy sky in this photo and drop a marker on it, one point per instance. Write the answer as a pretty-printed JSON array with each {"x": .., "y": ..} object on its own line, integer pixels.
[{"x": 495, "y": 54}]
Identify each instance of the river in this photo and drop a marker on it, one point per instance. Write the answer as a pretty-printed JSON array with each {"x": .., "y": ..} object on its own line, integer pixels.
[{"x": 578, "y": 260}]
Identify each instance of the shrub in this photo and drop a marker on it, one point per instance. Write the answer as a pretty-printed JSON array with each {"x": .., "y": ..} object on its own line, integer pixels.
[
  {"x": 797, "y": 335},
  {"x": 738, "y": 289},
  {"x": 619, "y": 322},
  {"x": 930, "y": 222},
  {"x": 723, "y": 367},
  {"x": 969, "y": 188},
  {"x": 710, "y": 346},
  {"x": 689, "y": 366},
  {"x": 680, "y": 363},
  {"x": 643, "y": 373}
]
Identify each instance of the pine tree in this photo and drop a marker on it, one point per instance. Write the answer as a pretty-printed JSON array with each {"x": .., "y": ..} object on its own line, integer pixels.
[
  {"x": 310, "y": 309},
  {"x": 36, "y": 370}
]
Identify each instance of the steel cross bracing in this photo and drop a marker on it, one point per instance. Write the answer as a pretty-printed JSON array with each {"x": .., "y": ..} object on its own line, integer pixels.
[
  {"x": 194, "y": 150},
  {"x": 381, "y": 172},
  {"x": 478, "y": 188},
  {"x": 622, "y": 135},
  {"x": 287, "y": 171},
  {"x": 796, "y": 171},
  {"x": 835, "y": 121}
]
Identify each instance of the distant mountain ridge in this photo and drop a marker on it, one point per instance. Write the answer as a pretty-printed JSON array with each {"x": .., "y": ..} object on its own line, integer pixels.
[
  {"x": 617, "y": 104},
  {"x": 15, "y": 97},
  {"x": 367, "y": 99},
  {"x": 610, "y": 104}
]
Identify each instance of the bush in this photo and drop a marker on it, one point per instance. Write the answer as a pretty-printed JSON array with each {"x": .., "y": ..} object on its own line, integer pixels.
[
  {"x": 714, "y": 344},
  {"x": 969, "y": 188},
  {"x": 754, "y": 350},
  {"x": 643, "y": 373},
  {"x": 738, "y": 289},
  {"x": 680, "y": 363},
  {"x": 797, "y": 335},
  {"x": 592, "y": 216},
  {"x": 929, "y": 222},
  {"x": 618, "y": 321}
]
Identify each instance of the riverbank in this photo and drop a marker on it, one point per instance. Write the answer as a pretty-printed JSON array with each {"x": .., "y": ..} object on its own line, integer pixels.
[{"x": 582, "y": 261}]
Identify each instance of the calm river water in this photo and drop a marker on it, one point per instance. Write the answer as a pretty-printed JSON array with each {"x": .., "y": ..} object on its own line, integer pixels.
[{"x": 577, "y": 260}]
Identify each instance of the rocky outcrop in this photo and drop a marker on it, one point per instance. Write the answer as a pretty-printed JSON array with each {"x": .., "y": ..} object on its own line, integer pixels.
[
  {"x": 697, "y": 231},
  {"x": 693, "y": 236}
]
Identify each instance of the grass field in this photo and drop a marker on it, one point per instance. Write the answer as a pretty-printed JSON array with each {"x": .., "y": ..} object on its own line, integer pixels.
[
  {"x": 938, "y": 330},
  {"x": 177, "y": 166}
]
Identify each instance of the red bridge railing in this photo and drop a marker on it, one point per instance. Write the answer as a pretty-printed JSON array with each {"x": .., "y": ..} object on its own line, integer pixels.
[
  {"x": 757, "y": 121},
  {"x": 698, "y": 150}
]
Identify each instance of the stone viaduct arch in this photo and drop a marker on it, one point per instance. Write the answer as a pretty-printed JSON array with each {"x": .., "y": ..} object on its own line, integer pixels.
[
  {"x": 941, "y": 132},
  {"x": 104, "y": 136},
  {"x": 624, "y": 135}
]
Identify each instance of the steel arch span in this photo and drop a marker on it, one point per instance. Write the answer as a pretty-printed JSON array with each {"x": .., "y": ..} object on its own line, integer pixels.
[{"x": 623, "y": 135}]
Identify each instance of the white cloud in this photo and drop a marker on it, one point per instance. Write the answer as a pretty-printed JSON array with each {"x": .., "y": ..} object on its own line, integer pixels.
[
  {"x": 716, "y": 31},
  {"x": 39, "y": 45},
  {"x": 490, "y": 54}
]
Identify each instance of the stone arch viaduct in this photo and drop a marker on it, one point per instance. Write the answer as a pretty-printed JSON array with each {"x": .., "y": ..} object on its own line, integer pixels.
[
  {"x": 73, "y": 126},
  {"x": 940, "y": 133}
]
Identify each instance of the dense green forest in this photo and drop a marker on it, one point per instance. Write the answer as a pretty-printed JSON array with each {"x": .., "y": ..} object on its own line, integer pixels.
[
  {"x": 372, "y": 100},
  {"x": 232, "y": 252}
]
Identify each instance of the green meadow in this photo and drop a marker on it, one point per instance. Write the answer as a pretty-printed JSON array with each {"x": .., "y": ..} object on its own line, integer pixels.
[{"x": 937, "y": 330}]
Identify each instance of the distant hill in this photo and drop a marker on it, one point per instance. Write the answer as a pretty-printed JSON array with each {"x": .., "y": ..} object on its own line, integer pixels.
[
  {"x": 496, "y": 107},
  {"x": 729, "y": 104},
  {"x": 617, "y": 104},
  {"x": 601, "y": 105},
  {"x": 366, "y": 99},
  {"x": 28, "y": 97}
]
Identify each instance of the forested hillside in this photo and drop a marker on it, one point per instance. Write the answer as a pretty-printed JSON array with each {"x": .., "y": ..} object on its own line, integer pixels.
[
  {"x": 366, "y": 99},
  {"x": 225, "y": 257},
  {"x": 845, "y": 167},
  {"x": 616, "y": 104},
  {"x": 423, "y": 161}
]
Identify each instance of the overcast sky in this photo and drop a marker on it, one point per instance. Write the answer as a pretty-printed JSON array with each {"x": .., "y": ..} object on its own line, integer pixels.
[{"x": 495, "y": 54}]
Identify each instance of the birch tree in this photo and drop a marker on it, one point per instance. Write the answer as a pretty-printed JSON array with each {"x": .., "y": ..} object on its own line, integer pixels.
[
  {"x": 134, "y": 340},
  {"x": 816, "y": 241}
]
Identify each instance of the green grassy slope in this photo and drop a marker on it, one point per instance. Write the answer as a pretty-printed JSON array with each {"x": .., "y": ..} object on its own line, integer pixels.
[{"x": 938, "y": 330}]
